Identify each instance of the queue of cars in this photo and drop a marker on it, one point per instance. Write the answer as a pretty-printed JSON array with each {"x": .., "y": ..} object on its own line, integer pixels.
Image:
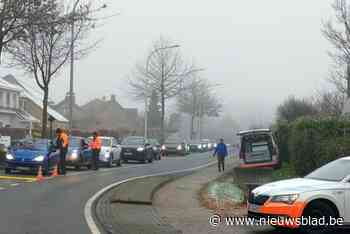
[{"x": 30, "y": 154}]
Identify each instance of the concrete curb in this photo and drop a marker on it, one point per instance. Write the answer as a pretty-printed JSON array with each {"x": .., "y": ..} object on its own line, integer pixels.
[{"x": 91, "y": 203}]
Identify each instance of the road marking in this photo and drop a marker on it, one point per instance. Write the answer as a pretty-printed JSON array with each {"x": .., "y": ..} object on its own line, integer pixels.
[
  {"x": 89, "y": 204},
  {"x": 14, "y": 184},
  {"x": 1, "y": 188},
  {"x": 17, "y": 178}
]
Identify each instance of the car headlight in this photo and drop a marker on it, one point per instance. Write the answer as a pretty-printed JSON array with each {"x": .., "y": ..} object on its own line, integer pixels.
[
  {"x": 288, "y": 199},
  {"x": 107, "y": 155},
  {"x": 209, "y": 145},
  {"x": 200, "y": 147},
  {"x": 39, "y": 158},
  {"x": 74, "y": 155},
  {"x": 9, "y": 157},
  {"x": 215, "y": 145},
  {"x": 155, "y": 148},
  {"x": 140, "y": 149},
  {"x": 179, "y": 147}
]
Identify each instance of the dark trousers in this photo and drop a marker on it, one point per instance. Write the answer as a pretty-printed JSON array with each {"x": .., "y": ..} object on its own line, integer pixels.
[
  {"x": 95, "y": 158},
  {"x": 221, "y": 163},
  {"x": 62, "y": 162}
]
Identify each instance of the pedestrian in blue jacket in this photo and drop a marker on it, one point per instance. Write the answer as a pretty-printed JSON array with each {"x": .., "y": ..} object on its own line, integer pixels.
[{"x": 221, "y": 152}]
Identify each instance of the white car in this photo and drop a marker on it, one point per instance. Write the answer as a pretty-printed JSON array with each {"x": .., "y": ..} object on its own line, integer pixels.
[
  {"x": 110, "y": 152},
  {"x": 323, "y": 193}
]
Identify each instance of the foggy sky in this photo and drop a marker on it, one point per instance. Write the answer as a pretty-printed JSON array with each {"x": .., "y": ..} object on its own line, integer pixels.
[{"x": 261, "y": 51}]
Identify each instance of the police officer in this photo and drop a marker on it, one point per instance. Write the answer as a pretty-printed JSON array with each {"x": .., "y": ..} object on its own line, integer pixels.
[
  {"x": 95, "y": 146},
  {"x": 62, "y": 143}
]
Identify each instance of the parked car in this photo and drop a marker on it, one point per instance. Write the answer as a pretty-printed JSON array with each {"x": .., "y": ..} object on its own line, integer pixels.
[
  {"x": 258, "y": 149},
  {"x": 324, "y": 193},
  {"x": 79, "y": 154},
  {"x": 29, "y": 155},
  {"x": 156, "y": 149},
  {"x": 136, "y": 148},
  {"x": 110, "y": 152},
  {"x": 176, "y": 146}
]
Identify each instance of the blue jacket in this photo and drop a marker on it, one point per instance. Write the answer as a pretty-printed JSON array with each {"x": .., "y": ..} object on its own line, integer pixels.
[{"x": 221, "y": 150}]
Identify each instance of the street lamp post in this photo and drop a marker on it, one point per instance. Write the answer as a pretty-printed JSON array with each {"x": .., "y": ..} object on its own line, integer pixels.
[
  {"x": 71, "y": 84},
  {"x": 146, "y": 88}
]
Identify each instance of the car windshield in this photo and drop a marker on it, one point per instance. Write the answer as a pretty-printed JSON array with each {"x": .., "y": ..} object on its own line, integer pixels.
[
  {"x": 106, "y": 142},
  {"x": 334, "y": 171},
  {"x": 134, "y": 141},
  {"x": 39, "y": 144},
  {"x": 74, "y": 142}
]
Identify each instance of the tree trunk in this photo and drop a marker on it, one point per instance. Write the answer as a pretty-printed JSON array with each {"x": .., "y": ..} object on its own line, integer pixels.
[
  {"x": 192, "y": 126},
  {"x": 44, "y": 114},
  {"x": 162, "y": 129}
]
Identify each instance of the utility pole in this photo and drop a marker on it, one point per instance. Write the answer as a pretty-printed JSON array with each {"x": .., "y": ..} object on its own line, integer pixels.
[{"x": 71, "y": 80}]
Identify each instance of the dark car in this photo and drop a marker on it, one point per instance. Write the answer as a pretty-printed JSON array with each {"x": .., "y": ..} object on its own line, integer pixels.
[
  {"x": 195, "y": 147},
  {"x": 136, "y": 149},
  {"x": 29, "y": 155},
  {"x": 175, "y": 146},
  {"x": 79, "y": 154},
  {"x": 156, "y": 148}
]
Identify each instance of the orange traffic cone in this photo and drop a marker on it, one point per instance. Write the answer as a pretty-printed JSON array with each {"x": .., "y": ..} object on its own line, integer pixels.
[
  {"x": 40, "y": 176},
  {"x": 55, "y": 171}
]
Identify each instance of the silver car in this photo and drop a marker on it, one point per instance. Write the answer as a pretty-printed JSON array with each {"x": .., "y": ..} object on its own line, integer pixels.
[{"x": 110, "y": 152}]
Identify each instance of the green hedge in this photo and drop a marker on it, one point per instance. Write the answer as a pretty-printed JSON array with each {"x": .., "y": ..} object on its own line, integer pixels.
[{"x": 309, "y": 143}]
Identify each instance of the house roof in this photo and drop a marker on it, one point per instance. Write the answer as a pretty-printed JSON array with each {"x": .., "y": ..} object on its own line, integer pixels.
[
  {"x": 8, "y": 86},
  {"x": 33, "y": 96}
]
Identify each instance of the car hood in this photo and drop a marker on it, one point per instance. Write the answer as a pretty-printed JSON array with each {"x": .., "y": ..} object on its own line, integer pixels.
[
  {"x": 172, "y": 144},
  {"x": 28, "y": 154},
  {"x": 298, "y": 185},
  {"x": 132, "y": 146}
]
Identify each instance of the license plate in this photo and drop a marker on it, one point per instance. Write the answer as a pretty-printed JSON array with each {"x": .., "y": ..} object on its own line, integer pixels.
[
  {"x": 253, "y": 208},
  {"x": 127, "y": 153}
]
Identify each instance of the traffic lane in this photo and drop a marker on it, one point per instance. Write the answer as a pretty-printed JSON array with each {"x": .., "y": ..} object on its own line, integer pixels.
[{"x": 57, "y": 206}]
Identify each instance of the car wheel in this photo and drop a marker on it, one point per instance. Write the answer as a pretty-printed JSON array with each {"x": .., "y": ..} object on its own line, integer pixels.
[
  {"x": 7, "y": 171},
  {"x": 318, "y": 209},
  {"x": 89, "y": 167},
  {"x": 77, "y": 167}
]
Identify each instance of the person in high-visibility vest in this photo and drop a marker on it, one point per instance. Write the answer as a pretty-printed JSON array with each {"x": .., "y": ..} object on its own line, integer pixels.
[
  {"x": 95, "y": 146},
  {"x": 62, "y": 142}
]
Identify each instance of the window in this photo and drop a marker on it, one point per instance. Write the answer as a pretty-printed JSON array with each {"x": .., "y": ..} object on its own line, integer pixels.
[
  {"x": 15, "y": 100},
  {"x": 8, "y": 99},
  {"x": 1, "y": 98}
]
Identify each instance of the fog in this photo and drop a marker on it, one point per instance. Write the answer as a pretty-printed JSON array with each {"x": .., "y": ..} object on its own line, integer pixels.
[{"x": 260, "y": 51}]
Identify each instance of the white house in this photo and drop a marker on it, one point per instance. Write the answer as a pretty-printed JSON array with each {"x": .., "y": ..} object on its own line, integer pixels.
[{"x": 11, "y": 115}]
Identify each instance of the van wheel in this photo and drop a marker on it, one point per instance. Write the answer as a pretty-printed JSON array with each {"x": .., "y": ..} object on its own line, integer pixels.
[
  {"x": 318, "y": 209},
  {"x": 89, "y": 167},
  {"x": 77, "y": 168}
]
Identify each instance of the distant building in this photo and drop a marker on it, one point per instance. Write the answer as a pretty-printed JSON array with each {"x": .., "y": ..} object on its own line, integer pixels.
[
  {"x": 100, "y": 114},
  {"x": 31, "y": 102}
]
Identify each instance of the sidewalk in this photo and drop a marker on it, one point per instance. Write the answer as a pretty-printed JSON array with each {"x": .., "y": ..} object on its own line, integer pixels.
[{"x": 177, "y": 203}]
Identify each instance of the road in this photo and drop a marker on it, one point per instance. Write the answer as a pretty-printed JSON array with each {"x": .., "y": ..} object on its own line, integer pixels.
[{"x": 56, "y": 206}]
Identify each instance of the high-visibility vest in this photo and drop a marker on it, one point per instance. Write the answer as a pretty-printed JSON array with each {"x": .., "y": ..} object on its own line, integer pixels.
[
  {"x": 96, "y": 143},
  {"x": 65, "y": 140}
]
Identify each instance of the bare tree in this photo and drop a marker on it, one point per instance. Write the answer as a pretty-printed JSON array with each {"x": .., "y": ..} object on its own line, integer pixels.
[
  {"x": 337, "y": 32},
  {"x": 43, "y": 49},
  {"x": 293, "y": 108},
  {"x": 330, "y": 103},
  {"x": 165, "y": 73},
  {"x": 198, "y": 101},
  {"x": 17, "y": 15}
]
